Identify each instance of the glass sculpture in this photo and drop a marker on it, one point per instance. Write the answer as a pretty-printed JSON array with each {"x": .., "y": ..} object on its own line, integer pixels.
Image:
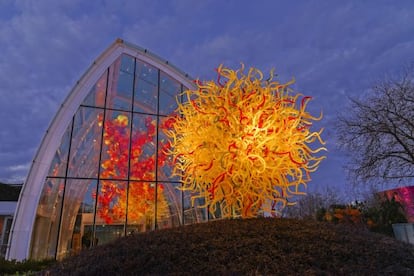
[{"x": 242, "y": 144}]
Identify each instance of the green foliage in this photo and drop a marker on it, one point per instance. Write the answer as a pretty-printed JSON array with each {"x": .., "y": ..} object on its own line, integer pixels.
[
  {"x": 380, "y": 215},
  {"x": 26, "y": 267},
  {"x": 320, "y": 214},
  {"x": 377, "y": 215}
]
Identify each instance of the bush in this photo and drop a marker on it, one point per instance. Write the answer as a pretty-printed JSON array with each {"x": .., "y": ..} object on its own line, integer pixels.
[
  {"x": 26, "y": 266},
  {"x": 378, "y": 215}
]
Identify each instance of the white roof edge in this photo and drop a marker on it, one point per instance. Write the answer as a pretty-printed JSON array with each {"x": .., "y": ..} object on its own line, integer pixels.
[{"x": 31, "y": 190}]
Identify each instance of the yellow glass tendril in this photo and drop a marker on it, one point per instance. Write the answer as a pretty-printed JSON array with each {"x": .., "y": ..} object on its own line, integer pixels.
[{"x": 243, "y": 143}]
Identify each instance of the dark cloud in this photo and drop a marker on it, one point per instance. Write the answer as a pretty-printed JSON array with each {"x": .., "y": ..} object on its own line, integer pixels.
[{"x": 334, "y": 49}]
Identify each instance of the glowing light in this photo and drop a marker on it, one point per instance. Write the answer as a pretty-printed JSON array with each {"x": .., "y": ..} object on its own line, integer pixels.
[{"x": 243, "y": 143}]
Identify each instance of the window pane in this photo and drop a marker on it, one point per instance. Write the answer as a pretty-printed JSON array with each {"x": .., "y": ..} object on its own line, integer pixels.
[
  {"x": 111, "y": 212},
  {"x": 146, "y": 89},
  {"x": 141, "y": 206},
  {"x": 125, "y": 85},
  {"x": 146, "y": 97},
  {"x": 127, "y": 64},
  {"x": 170, "y": 211},
  {"x": 165, "y": 161},
  {"x": 5, "y": 228},
  {"x": 169, "y": 89},
  {"x": 60, "y": 160},
  {"x": 194, "y": 210},
  {"x": 96, "y": 96},
  {"x": 147, "y": 72},
  {"x": 120, "y": 87},
  {"x": 46, "y": 227},
  {"x": 115, "y": 147},
  {"x": 77, "y": 212},
  {"x": 86, "y": 143},
  {"x": 143, "y": 147}
]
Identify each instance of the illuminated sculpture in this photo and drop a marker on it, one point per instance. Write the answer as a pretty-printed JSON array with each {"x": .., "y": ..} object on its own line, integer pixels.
[
  {"x": 115, "y": 200},
  {"x": 242, "y": 144}
]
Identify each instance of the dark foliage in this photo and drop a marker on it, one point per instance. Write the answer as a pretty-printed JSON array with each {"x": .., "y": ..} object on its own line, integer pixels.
[
  {"x": 244, "y": 247},
  {"x": 381, "y": 216},
  {"x": 9, "y": 192},
  {"x": 27, "y": 266}
]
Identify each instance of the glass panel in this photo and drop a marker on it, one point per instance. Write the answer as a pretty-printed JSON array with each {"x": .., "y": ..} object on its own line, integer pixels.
[
  {"x": 127, "y": 64},
  {"x": 86, "y": 143},
  {"x": 194, "y": 210},
  {"x": 147, "y": 72},
  {"x": 115, "y": 148},
  {"x": 169, "y": 89},
  {"x": 111, "y": 212},
  {"x": 5, "y": 227},
  {"x": 146, "y": 88},
  {"x": 124, "y": 91},
  {"x": 143, "y": 147},
  {"x": 77, "y": 212},
  {"x": 188, "y": 209},
  {"x": 3, "y": 243},
  {"x": 141, "y": 206},
  {"x": 189, "y": 216},
  {"x": 58, "y": 166},
  {"x": 96, "y": 96},
  {"x": 170, "y": 212},
  {"x": 146, "y": 97},
  {"x": 217, "y": 213},
  {"x": 120, "y": 86},
  {"x": 165, "y": 161},
  {"x": 105, "y": 233},
  {"x": 46, "y": 227}
]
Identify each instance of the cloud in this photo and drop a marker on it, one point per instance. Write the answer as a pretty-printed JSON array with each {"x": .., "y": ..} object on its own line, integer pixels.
[
  {"x": 14, "y": 173},
  {"x": 19, "y": 167}
]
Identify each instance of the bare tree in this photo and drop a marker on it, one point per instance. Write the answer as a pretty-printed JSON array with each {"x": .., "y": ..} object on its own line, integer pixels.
[
  {"x": 308, "y": 206},
  {"x": 378, "y": 132}
]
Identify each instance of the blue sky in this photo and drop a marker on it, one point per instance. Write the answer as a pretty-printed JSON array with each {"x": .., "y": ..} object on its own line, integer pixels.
[{"x": 333, "y": 49}]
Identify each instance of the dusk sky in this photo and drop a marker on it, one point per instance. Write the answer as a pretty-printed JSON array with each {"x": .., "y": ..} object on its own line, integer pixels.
[{"x": 333, "y": 49}]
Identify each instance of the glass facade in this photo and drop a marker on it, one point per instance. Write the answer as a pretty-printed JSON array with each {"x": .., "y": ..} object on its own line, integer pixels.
[
  {"x": 5, "y": 226},
  {"x": 110, "y": 176}
]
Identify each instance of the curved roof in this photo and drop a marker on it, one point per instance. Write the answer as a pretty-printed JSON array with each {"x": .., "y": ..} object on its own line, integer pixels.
[{"x": 29, "y": 197}]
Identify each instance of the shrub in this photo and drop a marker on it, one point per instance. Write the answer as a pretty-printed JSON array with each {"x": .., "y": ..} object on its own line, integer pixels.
[
  {"x": 27, "y": 266},
  {"x": 378, "y": 215}
]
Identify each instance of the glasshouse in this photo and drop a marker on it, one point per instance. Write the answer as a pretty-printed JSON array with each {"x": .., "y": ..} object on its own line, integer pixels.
[{"x": 101, "y": 171}]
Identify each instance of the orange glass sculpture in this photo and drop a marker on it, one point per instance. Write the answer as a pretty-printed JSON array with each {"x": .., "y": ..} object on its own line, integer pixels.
[
  {"x": 116, "y": 200},
  {"x": 242, "y": 143}
]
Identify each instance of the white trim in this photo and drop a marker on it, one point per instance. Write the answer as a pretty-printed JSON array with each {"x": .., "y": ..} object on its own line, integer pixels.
[{"x": 29, "y": 197}]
